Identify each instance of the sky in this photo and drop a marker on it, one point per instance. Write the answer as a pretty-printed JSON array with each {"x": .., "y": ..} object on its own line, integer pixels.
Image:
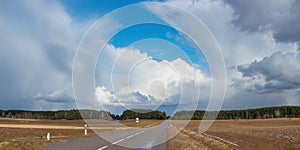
[{"x": 149, "y": 66}]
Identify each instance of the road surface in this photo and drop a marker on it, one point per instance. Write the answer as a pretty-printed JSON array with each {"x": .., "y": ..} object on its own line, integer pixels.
[{"x": 142, "y": 138}]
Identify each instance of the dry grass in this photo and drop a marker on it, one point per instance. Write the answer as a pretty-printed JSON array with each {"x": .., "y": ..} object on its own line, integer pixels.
[
  {"x": 19, "y": 138},
  {"x": 25, "y": 145},
  {"x": 76, "y": 123}
]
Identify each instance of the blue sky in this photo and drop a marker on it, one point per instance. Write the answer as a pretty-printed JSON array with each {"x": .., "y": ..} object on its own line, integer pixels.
[
  {"x": 133, "y": 34},
  {"x": 81, "y": 9},
  {"x": 261, "y": 54}
]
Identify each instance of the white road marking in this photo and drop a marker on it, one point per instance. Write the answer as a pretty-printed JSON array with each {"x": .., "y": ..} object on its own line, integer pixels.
[
  {"x": 101, "y": 148},
  {"x": 129, "y": 136},
  {"x": 121, "y": 140},
  {"x": 118, "y": 141},
  {"x": 134, "y": 134},
  {"x": 218, "y": 138},
  {"x": 139, "y": 133}
]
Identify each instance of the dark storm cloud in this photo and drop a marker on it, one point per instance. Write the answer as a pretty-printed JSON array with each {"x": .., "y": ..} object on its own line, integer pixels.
[
  {"x": 298, "y": 93},
  {"x": 271, "y": 74},
  {"x": 246, "y": 100},
  {"x": 59, "y": 57},
  {"x": 35, "y": 51},
  {"x": 283, "y": 17}
]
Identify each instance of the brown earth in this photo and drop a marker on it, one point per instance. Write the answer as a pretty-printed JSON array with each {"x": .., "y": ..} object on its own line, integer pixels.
[
  {"x": 265, "y": 134},
  {"x": 190, "y": 140}
]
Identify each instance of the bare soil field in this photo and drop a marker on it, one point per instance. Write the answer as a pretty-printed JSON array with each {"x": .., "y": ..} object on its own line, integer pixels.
[
  {"x": 265, "y": 134},
  {"x": 190, "y": 140}
]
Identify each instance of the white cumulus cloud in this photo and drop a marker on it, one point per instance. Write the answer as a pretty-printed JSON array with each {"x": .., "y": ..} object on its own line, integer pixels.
[{"x": 133, "y": 79}]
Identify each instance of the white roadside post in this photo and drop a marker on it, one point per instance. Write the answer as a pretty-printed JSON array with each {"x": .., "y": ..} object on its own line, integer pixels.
[
  {"x": 85, "y": 129},
  {"x": 48, "y": 136},
  {"x": 137, "y": 120}
]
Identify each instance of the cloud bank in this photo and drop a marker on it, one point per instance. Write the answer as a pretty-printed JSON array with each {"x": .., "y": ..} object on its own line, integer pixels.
[
  {"x": 282, "y": 17},
  {"x": 261, "y": 60},
  {"x": 272, "y": 74}
]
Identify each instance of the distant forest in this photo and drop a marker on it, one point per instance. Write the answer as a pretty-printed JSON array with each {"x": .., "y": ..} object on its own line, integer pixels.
[
  {"x": 82, "y": 114},
  {"x": 55, "y": 115},
  {"x": 258, "y": 113},
  {"x": 143, "y": 114}
]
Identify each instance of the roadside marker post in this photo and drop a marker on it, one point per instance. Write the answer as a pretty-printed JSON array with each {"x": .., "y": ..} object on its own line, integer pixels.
[
  {"x": 137, "y": 120},
  {"x": 48, "y": 136},
  {"x": 85, "y": 129}
]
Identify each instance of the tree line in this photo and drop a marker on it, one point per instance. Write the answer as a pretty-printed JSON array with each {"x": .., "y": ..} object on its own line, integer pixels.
[
  {"x": 55, "y": 115},
  {"x": 257, "y": 113},
  {"x": 143, "y": 114},
  {"x": 82, "y": 114}
]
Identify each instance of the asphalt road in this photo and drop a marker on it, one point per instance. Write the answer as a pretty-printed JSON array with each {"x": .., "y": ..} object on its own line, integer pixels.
[{"x": 142, "y": 138}]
